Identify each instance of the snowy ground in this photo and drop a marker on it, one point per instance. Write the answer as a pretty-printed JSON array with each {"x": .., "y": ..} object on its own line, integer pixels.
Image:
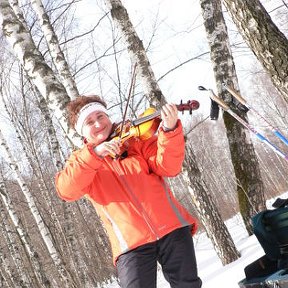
[{"x": 211, "y": 271}]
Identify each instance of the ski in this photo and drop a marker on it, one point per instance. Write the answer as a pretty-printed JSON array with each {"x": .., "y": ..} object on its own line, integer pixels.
[
  {"x": 226, "y": 108},
  {"x": 276, "y": 132}
]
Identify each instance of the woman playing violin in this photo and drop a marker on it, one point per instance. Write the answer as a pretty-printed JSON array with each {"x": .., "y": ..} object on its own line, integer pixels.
[{"x": 144, "y": 222}]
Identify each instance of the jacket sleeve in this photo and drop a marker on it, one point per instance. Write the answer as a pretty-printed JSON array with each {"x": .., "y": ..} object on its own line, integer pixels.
[
  {"x": 165, "y": 153},
  {"x": 74, "y": 180}
]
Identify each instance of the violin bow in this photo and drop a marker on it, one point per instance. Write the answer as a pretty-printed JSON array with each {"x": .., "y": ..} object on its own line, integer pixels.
[{"x": 131, "y": 89}]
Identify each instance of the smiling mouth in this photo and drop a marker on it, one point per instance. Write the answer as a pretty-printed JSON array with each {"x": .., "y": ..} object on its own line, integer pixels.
[{"x": 101, "y": 131}]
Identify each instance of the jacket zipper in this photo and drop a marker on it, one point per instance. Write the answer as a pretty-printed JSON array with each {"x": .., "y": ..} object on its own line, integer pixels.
[{"x": 135, "y": 200}]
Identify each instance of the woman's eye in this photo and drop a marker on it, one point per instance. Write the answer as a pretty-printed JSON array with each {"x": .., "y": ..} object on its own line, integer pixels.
[{"x": 90, "y": 123}]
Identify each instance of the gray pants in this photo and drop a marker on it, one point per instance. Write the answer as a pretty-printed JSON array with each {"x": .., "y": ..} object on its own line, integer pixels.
[{"x": 175, "y": 252}]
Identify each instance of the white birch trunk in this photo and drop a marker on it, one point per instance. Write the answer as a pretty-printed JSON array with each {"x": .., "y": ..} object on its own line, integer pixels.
[
  {"x": 35, "y": 66},
  {"x": 9, "y": 270},
  {"x": 57, "y": 155},
  {"x": 55, "y": 49},
  {"x": 33, "y": 160},
  {"x": 46, "y": 236},
  {"x": 207, "y": 211},
  {"x": 4, "y": 282},
  {"x": 18, "y": 12},
  {"x": 21, "y": 274},
  {"x": 68, "y": 226},
  {"x": 137, "y": 52},
  {"x": 40, "y": 276}
]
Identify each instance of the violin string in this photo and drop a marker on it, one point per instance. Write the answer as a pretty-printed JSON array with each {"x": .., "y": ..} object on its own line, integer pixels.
[{"x": 146, "y": 118}]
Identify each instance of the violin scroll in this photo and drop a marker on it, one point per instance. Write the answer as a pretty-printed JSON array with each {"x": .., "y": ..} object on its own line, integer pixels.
[{"x": 190, "y": 105}]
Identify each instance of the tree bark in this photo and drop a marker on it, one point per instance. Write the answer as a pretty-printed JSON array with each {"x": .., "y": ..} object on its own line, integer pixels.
[
  {"x": 264, "y": 38},
  {"x": 35, "y": 66},
  {"x": 41, "y": 278},
  {"x": 66, "y": 277},
  {"x": 207, "y": 210},
  {"x": 55, "y": 49},
  {"x": 137, "y": 53},
  {"x": 246, "y": 166}
]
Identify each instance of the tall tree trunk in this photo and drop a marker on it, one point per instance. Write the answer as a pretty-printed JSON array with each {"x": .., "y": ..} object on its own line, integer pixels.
[
  {"x": 36, "y": 67},
  {"x": 137, "y": 53},
  {"x": 66, "y": 277},
  {"x": 32, "y": 157},
  {"x": 207, "y": 210},
  {"x": 20, "y": 274},
  {"x": 55, "y": 49},
  {"x": 264, "y": 38},
  {"x": 4, "y": 281},
  {"x": 246, "y": 166},
  {"x": 7, "y": 272},
  {"x": 150, "y": 85},
  {"x": 57, "y": 154},
  {"x": 41, "y": 278}
]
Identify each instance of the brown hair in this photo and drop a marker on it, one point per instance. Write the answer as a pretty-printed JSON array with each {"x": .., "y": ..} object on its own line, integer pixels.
[{"x": 75, "y": 106}]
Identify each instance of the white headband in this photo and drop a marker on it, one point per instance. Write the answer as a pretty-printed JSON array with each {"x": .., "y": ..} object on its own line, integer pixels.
[{"x": 84, "y": 113}]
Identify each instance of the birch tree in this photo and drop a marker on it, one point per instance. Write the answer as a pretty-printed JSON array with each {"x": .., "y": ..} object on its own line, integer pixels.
[
  {"x": 32, "y": 155},
  {"x": 7, "y": 272},
  {"x": 55, "y": 49},
  {"x": 67, "y": 278},
  {"x": 20, "y": 274},
  {"x": 246, "y": 166},
  {"x": 35, "y": 66},
  {"x": 150, "y": 86},
  {"x": 41, "y": 78},
  {"x": 37, "y": 269},
  {"x": 21, "y": 116},
  {"x": 207, "y": 210},
  {"x": 137, "y": 53},
  {"x": 267, "y": 42}
]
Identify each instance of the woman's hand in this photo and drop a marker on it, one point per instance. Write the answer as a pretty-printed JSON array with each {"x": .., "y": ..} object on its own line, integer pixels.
[
  {"x": 169, "y": 115},
  {"x": 111, "y": 148}
]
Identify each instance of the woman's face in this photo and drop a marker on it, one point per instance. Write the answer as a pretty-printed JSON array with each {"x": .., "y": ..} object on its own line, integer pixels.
[{"x": 97, "y": 127}]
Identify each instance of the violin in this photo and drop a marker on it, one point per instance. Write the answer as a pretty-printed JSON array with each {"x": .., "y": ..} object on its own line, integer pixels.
[{"x": 147, "y": 124}]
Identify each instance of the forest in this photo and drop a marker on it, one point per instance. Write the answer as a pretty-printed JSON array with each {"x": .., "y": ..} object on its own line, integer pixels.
[{"x": 54, "y": 50}]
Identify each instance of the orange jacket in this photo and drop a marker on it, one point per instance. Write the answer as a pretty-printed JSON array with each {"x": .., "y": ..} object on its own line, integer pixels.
[{"x": 130, "y": 194}]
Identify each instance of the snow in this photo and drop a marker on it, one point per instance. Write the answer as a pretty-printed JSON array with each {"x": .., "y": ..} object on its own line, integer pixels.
[{"x": 210, "y": 268}]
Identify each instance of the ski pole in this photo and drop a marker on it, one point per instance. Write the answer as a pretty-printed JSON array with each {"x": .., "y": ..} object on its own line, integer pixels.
[
  {"x": 276, "y": 132},
  {"x": 226, "y": 108}
]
